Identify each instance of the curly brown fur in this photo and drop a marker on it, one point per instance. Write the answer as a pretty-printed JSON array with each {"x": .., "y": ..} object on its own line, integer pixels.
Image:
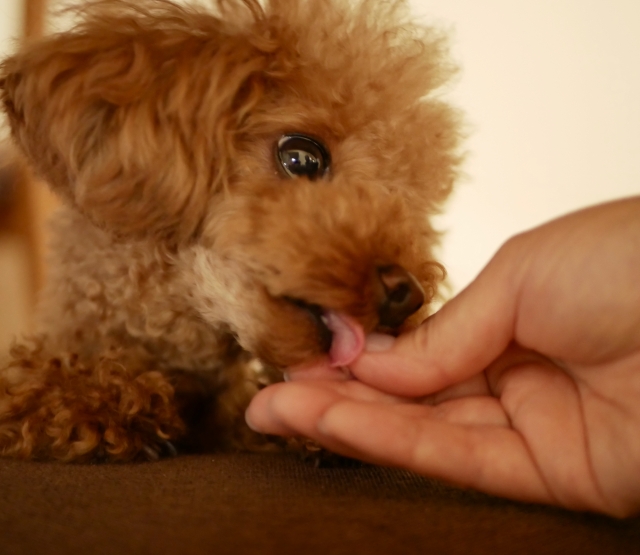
[{"x": 180, "y": 245}]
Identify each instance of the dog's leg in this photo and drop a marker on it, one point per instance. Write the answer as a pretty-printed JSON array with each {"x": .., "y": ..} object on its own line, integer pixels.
[
  {"x": 213, "y": 403},
  {"x": 72, "y": 408}
]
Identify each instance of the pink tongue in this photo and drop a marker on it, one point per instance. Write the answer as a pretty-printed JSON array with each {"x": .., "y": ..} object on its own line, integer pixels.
[{"x": 348, "y": 338}]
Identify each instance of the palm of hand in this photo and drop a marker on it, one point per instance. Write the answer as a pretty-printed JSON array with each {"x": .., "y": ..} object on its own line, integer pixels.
[{"x": 559, "y": 435}]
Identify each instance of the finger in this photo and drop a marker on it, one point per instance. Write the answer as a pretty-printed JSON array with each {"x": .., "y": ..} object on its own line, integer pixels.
[
  {"x": 289, "y": 409},
  {"x": 454, "y": 344},
  {"x": 493, "y": 459},
  {"x": 478, "y": 411},
  {"x": 472, "y": 411},
  {"x": 294, "y": 408},
  {"x": 319, "y": 370},
  {"x": 472, "y": 387},
  {"x": 545, "y": 405}
]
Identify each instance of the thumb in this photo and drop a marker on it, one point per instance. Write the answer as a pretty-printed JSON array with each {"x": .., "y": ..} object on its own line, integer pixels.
[{"x": 455, "y": 343}]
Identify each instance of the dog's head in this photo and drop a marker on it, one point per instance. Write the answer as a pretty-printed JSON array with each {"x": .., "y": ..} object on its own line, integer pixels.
[{"x": 289, "y": 153}]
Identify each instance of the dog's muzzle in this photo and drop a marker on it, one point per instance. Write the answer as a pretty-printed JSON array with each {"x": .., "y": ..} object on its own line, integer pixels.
[{"x": 399, "y": 295}]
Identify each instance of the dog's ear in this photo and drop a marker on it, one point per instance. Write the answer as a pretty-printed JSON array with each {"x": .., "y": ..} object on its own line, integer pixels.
[{"x": 131, "y": 115}]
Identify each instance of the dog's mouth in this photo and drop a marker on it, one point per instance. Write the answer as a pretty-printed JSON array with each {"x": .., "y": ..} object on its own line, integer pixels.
[{"x": 339, "y": 335}]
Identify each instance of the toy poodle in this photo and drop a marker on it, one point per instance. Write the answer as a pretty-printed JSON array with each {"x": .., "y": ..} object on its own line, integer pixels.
[{"x": 246, "y": 187}]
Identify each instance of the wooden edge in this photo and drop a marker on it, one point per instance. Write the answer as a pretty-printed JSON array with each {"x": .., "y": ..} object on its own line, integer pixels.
[{"x": 33, "y": 201}]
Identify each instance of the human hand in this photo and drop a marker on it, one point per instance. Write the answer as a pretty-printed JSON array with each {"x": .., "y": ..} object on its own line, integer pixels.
[{"x": 526, "y": 385}]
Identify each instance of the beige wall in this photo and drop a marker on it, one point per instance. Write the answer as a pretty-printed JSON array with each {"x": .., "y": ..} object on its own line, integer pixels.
[
  {"x": 10, "y": 22},
  {"x": 10, "y": 26},
  {"x": 551, "y": 89}
]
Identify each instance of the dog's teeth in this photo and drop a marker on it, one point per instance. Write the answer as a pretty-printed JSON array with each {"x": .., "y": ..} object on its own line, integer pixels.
[{"x": 325, "y": 320}]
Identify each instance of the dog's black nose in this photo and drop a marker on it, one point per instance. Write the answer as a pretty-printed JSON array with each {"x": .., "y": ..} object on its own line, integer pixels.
[{"x": 402, "y": 295}]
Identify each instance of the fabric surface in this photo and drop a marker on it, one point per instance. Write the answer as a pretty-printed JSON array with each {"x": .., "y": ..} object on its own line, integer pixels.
[{"x": 252, "y": 503}]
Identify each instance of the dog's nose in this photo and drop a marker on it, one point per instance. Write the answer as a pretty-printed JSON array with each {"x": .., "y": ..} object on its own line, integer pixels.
[{"x": 402, "y": 296}]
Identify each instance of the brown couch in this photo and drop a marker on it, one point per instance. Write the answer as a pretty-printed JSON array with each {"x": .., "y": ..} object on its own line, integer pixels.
[{"x": 262, "y": 504}]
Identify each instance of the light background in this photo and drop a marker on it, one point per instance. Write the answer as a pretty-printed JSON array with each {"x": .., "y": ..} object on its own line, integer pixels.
[
  {"x": 551, "y": 89},
  {"x": 10, "y": 23}
]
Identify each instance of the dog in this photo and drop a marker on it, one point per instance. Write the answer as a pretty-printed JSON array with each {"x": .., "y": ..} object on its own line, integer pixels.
[{"x": 246, "y": 187}]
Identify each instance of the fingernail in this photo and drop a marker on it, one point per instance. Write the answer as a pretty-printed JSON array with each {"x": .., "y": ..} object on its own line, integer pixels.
[{"x": 378, "y": 342}]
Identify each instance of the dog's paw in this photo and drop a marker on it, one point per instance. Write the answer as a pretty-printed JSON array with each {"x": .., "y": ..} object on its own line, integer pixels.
[
  {"x": 60, "y": 408},
  {"x": 316, "y": 455},
  {"x": 162, "y": 450}
]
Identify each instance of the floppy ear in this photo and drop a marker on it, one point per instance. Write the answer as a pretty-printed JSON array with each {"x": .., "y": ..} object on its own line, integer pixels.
[{"x": 131, "y": 115}]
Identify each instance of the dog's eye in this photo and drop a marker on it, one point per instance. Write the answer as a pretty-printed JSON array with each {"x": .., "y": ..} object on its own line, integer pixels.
[{"x": 302, "y": 156}]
